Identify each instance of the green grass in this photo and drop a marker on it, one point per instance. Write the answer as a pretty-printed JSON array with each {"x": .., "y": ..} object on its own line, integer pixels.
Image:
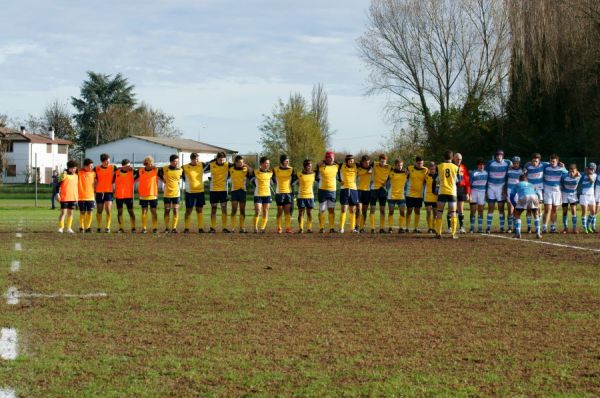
[{"x": 310, "y": 315}]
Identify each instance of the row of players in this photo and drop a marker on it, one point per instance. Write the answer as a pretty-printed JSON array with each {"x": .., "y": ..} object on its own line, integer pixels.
[{"x": 362, "y": 187}]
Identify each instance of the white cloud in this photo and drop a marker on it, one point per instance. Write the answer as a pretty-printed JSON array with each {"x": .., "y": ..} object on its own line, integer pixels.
[{"x": 10, "y": 49}]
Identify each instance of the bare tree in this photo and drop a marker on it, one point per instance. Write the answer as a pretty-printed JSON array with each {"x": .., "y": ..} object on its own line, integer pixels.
[
  {"x": 436, "y": 58},
  {"x": 320, "y": 109}
]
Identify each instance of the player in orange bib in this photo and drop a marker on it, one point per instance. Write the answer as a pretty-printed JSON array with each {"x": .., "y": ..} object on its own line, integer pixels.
[
  {"x": 67, "y": 196},
  {"x": 124, "y": 184},
  {"x": 148, "y": 193},
  {"x": 105, "y": 178},
  {"x": 87, "y": 177}
]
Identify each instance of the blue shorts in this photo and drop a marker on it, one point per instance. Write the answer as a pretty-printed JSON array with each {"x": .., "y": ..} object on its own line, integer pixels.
[
  {"x": 283, "y": 199},
  {"x": 195, "y": 199},
  {"x": 152, "y": 203},
  {"x": 86, "y": 205},
  {"x": 218, "y": 197},
  {"x": 348, "y": 197},
  {"x": 127, "y": 202},
  {"x": 415, "y": 203},
  {"x": 446, "y": 198},
  {"x": 305, "y": 203},
  {"x": 264, "y": 200},
  {"x": 378, "y": 195},
  {"x": 239, "y": 195},
  {"x": 325, "y": 196},
  {"x": 171, "y": 201},
  {"x": 68, "y": 205},
  {"x": 102, "y": 197},
  {"x": 364, "y": 197},
  {"x": 396, "y": 202}
]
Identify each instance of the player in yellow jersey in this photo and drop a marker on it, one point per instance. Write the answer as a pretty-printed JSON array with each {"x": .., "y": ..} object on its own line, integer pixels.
[
  {"x": 219, "y": 173},
  {"x": 171, "y": 177},
  {"x": 238, "y": 175},
  {"x": 283, "y": 176},
  {"x": 398, "y": 177},
  {"x": 431, "y": 190},
  {"x": 417, "y": 174},
  {"x": 348, "y": 193},
  {"x": 262, "y": 194},
  {"x": 86, "y": 204},
  {"x": 306, "y": 195},
  {"x": 327, "y": 172},
  {"x": 381, "y": 173},
  {"x": 447, "y": 178},
  {"x": 148, "y": 193},
  {"x": 193, "y": 177},
  {"x": 364, "y": 176},
  {"x": 68, "y": 194}
]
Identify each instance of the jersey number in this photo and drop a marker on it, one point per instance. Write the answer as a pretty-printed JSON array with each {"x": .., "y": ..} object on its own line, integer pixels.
[{"x": 447, "y": 173}]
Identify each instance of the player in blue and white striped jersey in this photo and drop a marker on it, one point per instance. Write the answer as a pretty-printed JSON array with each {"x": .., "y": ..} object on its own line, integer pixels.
[
  {"x": 569, "y": 184},
  {"x": 496, "y": 190},
  {"x": 535, "y": 175},
  {"x": 597, "y": 198},
  {"x": 512, "y": 178},
  {"x": 479, "y": 180},
  {"x": 587, "y": 199},
  {"x": 553, "y": 174}
]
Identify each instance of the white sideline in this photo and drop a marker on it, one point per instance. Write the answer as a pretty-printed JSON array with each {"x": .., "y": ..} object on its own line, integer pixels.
[
  {"x": 66, "y": 295},
  {"x": 12, "y": 296},
  {"x": 18, "y": 246},
  {"x": 541, "y": 242},
  {"x": 15, "y": 266},
  {"x": 8, "y": 344},
  {"x": 7, "y": 393}
]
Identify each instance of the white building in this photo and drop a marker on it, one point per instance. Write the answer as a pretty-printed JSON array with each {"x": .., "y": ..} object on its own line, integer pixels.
[
  {"x": 22, "y": 152},
  {"x": 136, "y": 148}
]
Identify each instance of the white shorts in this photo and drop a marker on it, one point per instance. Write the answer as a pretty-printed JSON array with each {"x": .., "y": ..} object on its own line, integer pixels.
[
  {"x": 552, "y": 198},
  {"x": 569, "y": 198},
  {"x": 495, "y": 193},
  {"x": 587, "y": 199},
  {"x": 540, "y": 194},
  {"x": 478, "y": 196},
  {"x": 597, "y": 194},
  {"x": 528, "y": 202}
]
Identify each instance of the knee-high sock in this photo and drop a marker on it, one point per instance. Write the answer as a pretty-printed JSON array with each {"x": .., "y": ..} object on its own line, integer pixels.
[
  {"x": 479, "y": 222},
  {"x": 438, "y": 225},
  {"x": 584, "y": 223},
  {"x": 361, "y": 221},
  {"x": 407, "y": 222},
  {"x": 448, "y": 220},
  {"x": 187, "y": 220},
  {"x": 490, "y": 219},
  {"x": 331, "y": 220},
  {"x": 461, "y": 220},
  {"x": 167, "y": 221},
  {"x": 537, "y": 224},
  {"x": 288, "y": 221},
  {"x": 82, "y": 217},
  {"x": 454, "y": 223},
  {"x": 278, "y": 222},
  {"x": 233, "y": 222},
  {"x": 264, "y": 223},
  {"x": 390, "y": 221},
  {"x": 175, "y": 219},
  {"x": 309, "y": 222},
  {"x": 61, "y": 223},
  {"x": 574, "y": 221},
  {"x": 401, "y": 220},
  {"x": 565, "y": 220},
  {"x": 528, "y": 221},
  {"x": 224, "y": 220},
  {"x": 144, "y": 220},
  {"x": 321, "y": 220},
  {"x": 301, "y": 223},
  {"x": 352, "y": 221},
  {"x": 99, "y": 219},
  {"x": 108, "y": 218},
  {"x": 372, "y": 220},
  {"x": 518, "y": 226},
  {"x": 69, "y": 221},
  {"x": 200, "y": 220},
  {"x": 502, "y": 221},
  {"x": 154, "y": 221},
  {"x": 242, "y": 221},
  {"x": 213, "y": 221},
  {"x": 255, "y": 221},
  {"x": 417, "y": 220},
  {"x": 382, "y": 220},
  {"x": 120, "y": 220},
  {"x": 88, "y": 223},
  {"x": 472, "y": 221},
  {"x": 342, "y": 219}
]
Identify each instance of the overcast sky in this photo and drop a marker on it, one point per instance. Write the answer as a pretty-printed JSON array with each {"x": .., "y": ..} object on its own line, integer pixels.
[{"x": 216, "y": 65}]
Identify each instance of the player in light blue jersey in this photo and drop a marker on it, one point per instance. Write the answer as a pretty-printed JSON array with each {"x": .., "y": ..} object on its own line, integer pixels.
[
  {"x": 512, "y": 178},
  {"x": 569, "y": 184},
  {"x": 587, "y": 199},
  {"x": 535, "y": 176},
  {"x": 478, "y": 179},
  {"x": 524, "y": 197},
  {"x": 553, "y": 174},
  {"x": 496, "y": 190}
]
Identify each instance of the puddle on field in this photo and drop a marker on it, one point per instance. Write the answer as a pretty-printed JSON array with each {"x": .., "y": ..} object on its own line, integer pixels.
[{"x": 8, "y": 344}]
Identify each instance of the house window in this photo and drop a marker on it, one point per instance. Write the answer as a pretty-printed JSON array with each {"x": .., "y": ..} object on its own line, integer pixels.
[
  {"x": 10, "y": 147},
  {"x": 48, "y": 148},
  {"x": 11, "y": 170},
  {"x": 63, "y": 149}
]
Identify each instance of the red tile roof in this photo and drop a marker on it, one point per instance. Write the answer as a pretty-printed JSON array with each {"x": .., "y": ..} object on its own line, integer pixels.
[{"x": 16, "y": 135}]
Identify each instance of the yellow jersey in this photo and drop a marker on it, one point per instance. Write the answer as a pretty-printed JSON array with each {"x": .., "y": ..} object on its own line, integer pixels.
[
  {"x": 327, "y": 176},
  {"x": 262, "y": 181},
  {"x": 431, "y": 188},
  {"x": 447, "y": 177},
  {"x": 219, "y": 174},
  {"x": 397, "y": 184},
  {"x": 193, "y": 177},
  {"x": 238, "y": 178},
  {"x": 364, "y": 178},
  {"x": 283, "y": 179},
  {"x": 348, "y": 176},
  {"x": 306, "y": 181},
  {"x": 416, "y": 181},
  {"x": 380, "y": 175},
  {"x": 171, "y": 178}
]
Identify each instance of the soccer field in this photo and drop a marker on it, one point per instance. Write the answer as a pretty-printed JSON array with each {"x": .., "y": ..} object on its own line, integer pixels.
[{"x": 298, "y": 315}]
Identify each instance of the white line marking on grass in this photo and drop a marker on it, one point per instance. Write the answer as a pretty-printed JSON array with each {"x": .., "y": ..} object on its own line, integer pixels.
[
  {"x": 19, "y": 235},
  {"x": 7, "y": 393},
  {"x": 18, "y": 246},
  {"x": 63, "y": 295},
  {"x": 15, "y": 266},
  {"x": 541, "y": 242},
  {"x": 12, "y": 296},
  {"x": 8, "y": 344}
]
